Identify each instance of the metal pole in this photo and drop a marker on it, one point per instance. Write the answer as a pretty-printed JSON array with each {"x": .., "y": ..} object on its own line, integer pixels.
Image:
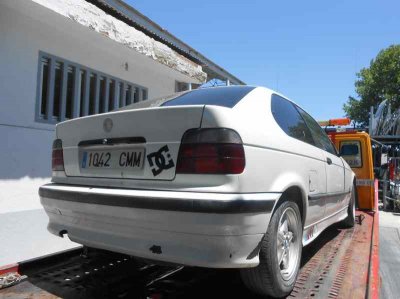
[
  {"x": 384, "y": 187},
  {"x": 371, "y": 120}
]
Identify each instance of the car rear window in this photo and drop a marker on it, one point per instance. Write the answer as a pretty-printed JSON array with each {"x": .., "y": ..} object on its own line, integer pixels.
[
  {"x": 227, "y": 96},
  {"x": 219, "y": 96}
]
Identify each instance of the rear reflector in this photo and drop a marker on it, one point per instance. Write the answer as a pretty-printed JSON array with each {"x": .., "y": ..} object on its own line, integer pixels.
[
  {"x": 211, "y": 151},
  {"x": 57, "y": 157}
]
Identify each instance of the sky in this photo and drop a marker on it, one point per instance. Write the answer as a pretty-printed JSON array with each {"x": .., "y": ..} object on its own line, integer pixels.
[{"x": 310, "y": 51}]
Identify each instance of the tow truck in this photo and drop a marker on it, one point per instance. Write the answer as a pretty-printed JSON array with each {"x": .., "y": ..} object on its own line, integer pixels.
[{"x": 341, "y": 263}]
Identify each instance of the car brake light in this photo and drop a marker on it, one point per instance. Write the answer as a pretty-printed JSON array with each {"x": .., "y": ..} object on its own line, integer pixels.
[
  {"x": 211, "y": 151},
  {"x": 57, "y": 157}
]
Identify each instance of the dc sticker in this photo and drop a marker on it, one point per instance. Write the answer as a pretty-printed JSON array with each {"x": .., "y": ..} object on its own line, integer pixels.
[{"x": 160, "y": 160}]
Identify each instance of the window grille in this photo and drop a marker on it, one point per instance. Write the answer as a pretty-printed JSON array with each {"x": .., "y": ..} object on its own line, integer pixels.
[{"x": 68, "y": 90}]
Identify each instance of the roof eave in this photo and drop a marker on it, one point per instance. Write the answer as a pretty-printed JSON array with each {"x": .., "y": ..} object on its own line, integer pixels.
[{"x": 152, "y": 29}]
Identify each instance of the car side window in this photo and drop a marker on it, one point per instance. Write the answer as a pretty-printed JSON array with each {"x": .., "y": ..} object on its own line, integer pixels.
[
  {"x": 320, "y": 138},
  {"x": 289, "y": 119}
]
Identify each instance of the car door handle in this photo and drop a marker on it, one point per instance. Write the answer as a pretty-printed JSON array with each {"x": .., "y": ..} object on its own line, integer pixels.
[{"x": 329, "y": 161}]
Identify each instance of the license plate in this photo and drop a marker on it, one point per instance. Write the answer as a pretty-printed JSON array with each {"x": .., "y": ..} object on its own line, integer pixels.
[{"x": 132, "y": 159}]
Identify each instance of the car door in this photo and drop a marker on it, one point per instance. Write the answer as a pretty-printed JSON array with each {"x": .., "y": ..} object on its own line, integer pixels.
[
  {"x": 335, "y": 183},
  {"x": 335, "y": 171}
]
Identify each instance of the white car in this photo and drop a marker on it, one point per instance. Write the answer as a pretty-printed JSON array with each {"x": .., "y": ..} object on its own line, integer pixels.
[{"x": 225, "y": 177}]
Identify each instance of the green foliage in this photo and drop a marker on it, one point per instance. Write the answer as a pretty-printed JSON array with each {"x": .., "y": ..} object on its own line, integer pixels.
[{"x": 380, "y": 81}]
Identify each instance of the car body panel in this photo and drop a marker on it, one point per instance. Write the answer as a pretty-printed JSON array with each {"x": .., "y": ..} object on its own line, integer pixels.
[{"x": 335, "y": 184}]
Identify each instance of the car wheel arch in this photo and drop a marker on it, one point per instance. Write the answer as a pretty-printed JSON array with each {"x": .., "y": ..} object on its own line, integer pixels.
[{"x": 297, "y": 195}]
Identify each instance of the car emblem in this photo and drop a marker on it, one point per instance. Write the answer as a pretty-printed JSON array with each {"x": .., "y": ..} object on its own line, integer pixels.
[{"x": 107, "y": 125}]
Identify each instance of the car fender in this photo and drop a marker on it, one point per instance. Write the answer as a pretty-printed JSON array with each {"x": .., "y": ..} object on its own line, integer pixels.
[{"x": 288, "y": 181}]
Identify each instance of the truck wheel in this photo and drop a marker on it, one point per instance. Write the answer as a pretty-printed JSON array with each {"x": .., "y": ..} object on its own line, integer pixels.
[
  {"x": 351, "y": 210},
  {"x": 280, "y": 254}
]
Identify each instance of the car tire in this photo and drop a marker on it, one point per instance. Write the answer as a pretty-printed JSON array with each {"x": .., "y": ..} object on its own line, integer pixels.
[
  {"x": 280, "y": 254},
  {"x": 350, "y": 220}
]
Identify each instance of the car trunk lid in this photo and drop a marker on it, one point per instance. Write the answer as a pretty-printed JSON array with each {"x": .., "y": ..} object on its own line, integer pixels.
[{"x": 132, "y": 144}]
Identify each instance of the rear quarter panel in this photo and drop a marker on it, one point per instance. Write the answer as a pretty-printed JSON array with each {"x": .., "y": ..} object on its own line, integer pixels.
[{"x": 274, "y": 161}]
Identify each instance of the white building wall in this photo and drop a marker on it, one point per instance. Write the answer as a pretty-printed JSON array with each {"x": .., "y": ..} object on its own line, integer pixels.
[{"x": 25, "y": 145}]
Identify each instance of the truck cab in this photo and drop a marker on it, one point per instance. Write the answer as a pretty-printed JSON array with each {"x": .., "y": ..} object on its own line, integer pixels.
[{"x": 355, "y": 148}]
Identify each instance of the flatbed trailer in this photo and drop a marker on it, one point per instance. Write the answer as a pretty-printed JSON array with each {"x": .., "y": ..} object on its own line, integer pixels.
[{"x": 341, "y": 263}]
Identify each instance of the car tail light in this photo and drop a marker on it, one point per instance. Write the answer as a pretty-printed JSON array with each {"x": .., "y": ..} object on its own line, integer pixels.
[
  {"x": 211, "y": 151},
  {"x": 57, "y": 157}
]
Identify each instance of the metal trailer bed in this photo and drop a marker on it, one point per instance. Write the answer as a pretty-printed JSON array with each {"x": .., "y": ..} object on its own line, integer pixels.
[{"x": 341, "y": 263}]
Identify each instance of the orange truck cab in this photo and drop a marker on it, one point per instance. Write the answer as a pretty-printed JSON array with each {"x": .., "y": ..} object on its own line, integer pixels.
[{"x": 355, "y": 147}]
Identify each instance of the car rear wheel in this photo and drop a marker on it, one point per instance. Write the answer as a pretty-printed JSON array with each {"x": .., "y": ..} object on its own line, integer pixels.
[{"x": 280, "y": 254}]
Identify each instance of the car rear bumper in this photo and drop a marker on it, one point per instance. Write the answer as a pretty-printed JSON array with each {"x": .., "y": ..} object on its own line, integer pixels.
[{"x": 200, "y": 229}]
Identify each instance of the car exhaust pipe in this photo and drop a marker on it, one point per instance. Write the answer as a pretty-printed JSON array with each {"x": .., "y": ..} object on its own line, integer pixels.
[{"x": 62, "y": 233}]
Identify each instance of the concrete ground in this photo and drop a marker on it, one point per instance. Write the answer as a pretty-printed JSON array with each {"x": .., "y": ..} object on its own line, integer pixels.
[
  {"x": 23, "y": 235},
  {"x": 389, "y": 249},
  {"x": 23, "y": 223}
]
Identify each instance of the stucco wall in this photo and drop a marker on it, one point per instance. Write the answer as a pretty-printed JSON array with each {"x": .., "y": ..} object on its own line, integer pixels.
[
  {"x": 27, "y": 28},
  {"x": 25, "y": 145}
]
